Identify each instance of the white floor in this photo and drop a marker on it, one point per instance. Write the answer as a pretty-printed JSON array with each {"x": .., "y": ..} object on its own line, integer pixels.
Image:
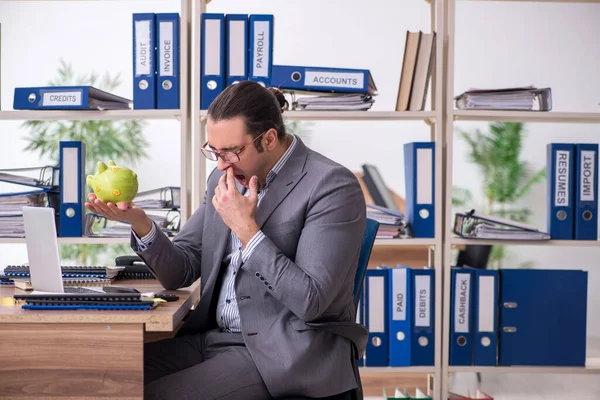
[{"x": 503, "y": 386}]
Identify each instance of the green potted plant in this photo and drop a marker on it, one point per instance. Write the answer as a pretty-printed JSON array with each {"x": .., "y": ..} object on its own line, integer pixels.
[
  {"x": 121, "y": 141},
  {"x": 507, "y": 177}
]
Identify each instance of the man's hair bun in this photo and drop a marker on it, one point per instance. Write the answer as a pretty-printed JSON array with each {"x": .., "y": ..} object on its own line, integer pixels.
[{"x": 283, "y": 103}]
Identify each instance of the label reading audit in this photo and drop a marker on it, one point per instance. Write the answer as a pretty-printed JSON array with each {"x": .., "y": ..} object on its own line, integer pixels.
[{"x": 61, "y": 99}]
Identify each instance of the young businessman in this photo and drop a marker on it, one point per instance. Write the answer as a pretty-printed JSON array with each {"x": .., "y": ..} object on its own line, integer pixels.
[{"x": 276, "y": 244}]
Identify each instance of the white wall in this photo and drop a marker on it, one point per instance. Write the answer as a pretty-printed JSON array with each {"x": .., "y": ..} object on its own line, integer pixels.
[{"x": 497, "y": 45}]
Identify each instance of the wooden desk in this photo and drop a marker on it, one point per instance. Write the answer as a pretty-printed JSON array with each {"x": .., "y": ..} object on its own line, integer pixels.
[{"x": 82, "y": 354}]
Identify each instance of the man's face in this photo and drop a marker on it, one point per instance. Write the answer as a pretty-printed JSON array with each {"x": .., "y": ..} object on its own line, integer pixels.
[{"x": 230, "y": 135}]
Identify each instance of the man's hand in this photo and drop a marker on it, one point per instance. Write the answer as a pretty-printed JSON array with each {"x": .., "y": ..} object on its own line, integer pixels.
[
  {"x": 140, "y": 223},
  {"x": 236, "y": 210}
]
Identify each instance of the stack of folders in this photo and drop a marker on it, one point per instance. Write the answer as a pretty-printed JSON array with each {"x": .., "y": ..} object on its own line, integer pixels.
[
  {"x": 68, "y": 271},
  {"x": 511, "y": 317},
  {"x": 162, "y": 206},
  {"x": 471, "y": 225},
  {"x": 403, "y": 394},
  {"x": 325, "y": 88},
  {"x": 84, "y": 301},
  {"x": 156, "y": 60},
  {"x": 419, "y": 55},
  {"x": 528, "y": 98},
  {"x": 235, "y": 48},
  {"x": 238, "y": 47},
  {"x": 42, "y": 191},
  {"x": 572, "y": 187},
  {"x": 397, "y": 308},
  {"x": 79, "y": 275},
  {"x": 391, "y": 222}
]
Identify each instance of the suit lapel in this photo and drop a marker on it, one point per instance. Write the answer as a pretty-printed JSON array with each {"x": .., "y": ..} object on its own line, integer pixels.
[{"x": 287, "y": 178}]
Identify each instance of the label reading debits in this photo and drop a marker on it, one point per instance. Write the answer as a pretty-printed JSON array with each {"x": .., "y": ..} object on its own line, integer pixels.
[
  {"x": 349, "y": 80},
  {"x": 142, "y": 48},
  {"x": 262, "y": 43},
  {"x": 422, "y": 303},
  {"x": 561, "y": 191},
  {"x": 61, "y": 99},
  {"x": 587, "y": 175}
]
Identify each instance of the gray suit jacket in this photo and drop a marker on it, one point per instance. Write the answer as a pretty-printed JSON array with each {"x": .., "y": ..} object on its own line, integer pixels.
[{"x": 298, "y": 281}]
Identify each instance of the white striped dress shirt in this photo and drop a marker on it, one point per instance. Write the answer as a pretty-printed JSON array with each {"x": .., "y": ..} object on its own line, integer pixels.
[{"x": 228, "y": 316}]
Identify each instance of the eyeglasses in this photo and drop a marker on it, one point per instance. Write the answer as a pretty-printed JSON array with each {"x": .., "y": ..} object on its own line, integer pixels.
[{"x": 230, "y": 157}]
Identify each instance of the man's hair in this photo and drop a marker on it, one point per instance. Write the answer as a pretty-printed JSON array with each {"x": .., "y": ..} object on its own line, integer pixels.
[{"x": 261, "y": 108}]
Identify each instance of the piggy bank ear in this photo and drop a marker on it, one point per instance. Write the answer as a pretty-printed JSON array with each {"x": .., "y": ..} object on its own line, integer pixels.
[
  {"x": 101, "y": 166},
  {"x": 111, "y": 163},
  {"x": 134, "y": 174}
]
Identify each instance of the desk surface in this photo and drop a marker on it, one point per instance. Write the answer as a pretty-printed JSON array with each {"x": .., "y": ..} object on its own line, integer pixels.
[{"x": 163, "y": 318}]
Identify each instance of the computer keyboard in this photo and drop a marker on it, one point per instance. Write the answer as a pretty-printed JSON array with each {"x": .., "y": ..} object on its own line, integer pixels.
[{"x": 78, "y": 289}]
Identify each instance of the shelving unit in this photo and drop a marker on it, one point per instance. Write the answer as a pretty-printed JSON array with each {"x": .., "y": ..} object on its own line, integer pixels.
[
  {"x": 452, "y": 115},
  {"x": 441, "y": 120}
]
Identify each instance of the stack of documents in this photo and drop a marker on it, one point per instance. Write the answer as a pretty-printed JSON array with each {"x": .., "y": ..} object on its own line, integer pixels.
[
  {"x": 474, "y": 226},
  {"x": 335, "y": 102},
  {"x": 391, "y": 223},
  {"x": 161, "y": 205},
  {"x": 528, "y": 98},
  {"x": 42, "y": 191}
]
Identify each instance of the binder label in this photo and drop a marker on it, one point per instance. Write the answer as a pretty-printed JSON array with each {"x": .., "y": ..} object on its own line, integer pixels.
[
  {"x": 586, "y": 192},
  {"x": 461, "y": 303},
  {"x": 262, "y": 44},
  {"x": 166, "y": 48},
  {"x": 561, "y": 191},
  {"x": 237, "y": 48},
  {"x": 424, "y": 176},
  {"x": 399, "y": 293},
  {"x": 486, "y": 304},
  {"x": 350, "y": 80},
  {"x": 423, "y": 301},
  {"x": 212, "y": 47},
  {"x": 142, "y": 48},
  {"x": 62, "y": 98},
  {"x": 376, "y": 303}
]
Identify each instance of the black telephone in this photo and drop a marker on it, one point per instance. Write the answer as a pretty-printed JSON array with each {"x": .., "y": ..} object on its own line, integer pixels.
[{"x": 135, "y": 268}]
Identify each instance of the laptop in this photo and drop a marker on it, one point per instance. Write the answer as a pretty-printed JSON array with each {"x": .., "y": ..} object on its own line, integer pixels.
[{"x": 41, "y": 240}]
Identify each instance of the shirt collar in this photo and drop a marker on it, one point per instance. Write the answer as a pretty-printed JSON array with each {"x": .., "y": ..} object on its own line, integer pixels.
[{"x": 281, "y": 162}]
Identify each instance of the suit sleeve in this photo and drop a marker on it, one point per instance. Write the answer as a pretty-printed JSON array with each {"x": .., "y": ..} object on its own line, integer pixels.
[
  {"x": 327, "y": 250},
  {"x": 176, "y": 263}
]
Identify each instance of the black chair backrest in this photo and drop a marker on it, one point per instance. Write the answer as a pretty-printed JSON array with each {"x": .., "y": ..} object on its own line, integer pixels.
[{"x": 474, "y": 256}]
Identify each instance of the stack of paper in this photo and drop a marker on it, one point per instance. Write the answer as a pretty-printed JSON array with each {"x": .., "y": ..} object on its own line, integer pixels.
[
  {"x": 475, "y": 226},
  {"x": 526, "y": 98},
  {"x": 337, "y": 101},
  {"x": 391, "y": 223}
]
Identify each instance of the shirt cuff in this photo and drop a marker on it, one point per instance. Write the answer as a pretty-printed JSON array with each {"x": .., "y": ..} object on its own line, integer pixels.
[
  {"x": 145, "y": 242},
  {"x": 252, "y": 244}
]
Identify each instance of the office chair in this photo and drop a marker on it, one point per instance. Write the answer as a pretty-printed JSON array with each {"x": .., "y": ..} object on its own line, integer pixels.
[
  {"x": 359, "y": 343},
  {"x": 474, "y": 256}
]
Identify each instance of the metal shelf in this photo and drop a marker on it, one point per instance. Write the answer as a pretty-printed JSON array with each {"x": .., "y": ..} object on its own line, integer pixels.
[
  {"x": 592, "y": 366},
  {"x": 84, "y": 115},
  {"x": 527, "y": 116}
]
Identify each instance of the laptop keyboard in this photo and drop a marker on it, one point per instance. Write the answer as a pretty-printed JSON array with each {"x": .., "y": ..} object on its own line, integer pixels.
[{"x": 77, "y": 289}]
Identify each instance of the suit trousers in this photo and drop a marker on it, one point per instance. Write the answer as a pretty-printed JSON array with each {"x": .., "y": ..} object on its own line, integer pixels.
[{"x": 203, "y": 366}]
